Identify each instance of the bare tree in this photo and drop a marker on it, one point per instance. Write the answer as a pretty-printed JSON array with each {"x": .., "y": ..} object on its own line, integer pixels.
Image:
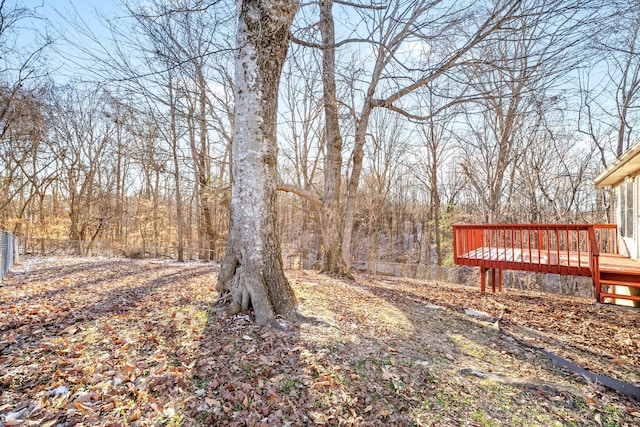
[
  {"x": 621, "y": 49},
  {"x": 252, "y": 272},
  {"x": 435, "y": 150},
  {"x": 24, "y": 158},
  {"x": 179, "y": 77},
  {"x": 19, "y": 63},
  {"x": 81, "y": 135},
  {"x": 183, "y": 36},
  {"x": 302, "y": 135},
  {"x": 21, "y": 79},
  {"x": 514, "y": 79},
  {"x": 379, "y": 213},
  {"x": 384, "y": 83},
  {"x": 610, "y": 85}
]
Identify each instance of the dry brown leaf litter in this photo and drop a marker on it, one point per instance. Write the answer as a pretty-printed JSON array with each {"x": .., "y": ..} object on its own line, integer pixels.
[{"x": 121, "y": 342}]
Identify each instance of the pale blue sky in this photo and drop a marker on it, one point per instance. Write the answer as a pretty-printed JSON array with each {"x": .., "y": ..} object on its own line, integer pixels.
[{"x": 61, "y": 14}]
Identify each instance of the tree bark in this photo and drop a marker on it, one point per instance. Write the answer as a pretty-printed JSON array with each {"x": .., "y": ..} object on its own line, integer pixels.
[
  {"x": 176, "y": 170},
  {"x": 330, "y": 218},
  {"x": 204, "y": 166},
  {"x": 252, "y": 272},
  {"x": 352, "y": 187}
]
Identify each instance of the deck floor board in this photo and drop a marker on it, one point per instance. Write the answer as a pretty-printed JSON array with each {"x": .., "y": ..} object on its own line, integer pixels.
[
  {"x": 608, "y": 262},
  {"x": 619, "y": 264}
]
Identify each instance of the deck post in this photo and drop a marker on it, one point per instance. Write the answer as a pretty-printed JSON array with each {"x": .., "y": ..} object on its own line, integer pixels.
[
  {"x": 483, "y": 279},
  {"x": 493, "y": 280},
  {"x": 598, "y": 289},
  {"x": 594, "y": 251},
  {"x": 500, "y": 280}
]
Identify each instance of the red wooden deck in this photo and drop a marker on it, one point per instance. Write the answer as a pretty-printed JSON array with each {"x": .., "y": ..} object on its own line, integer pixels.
[{"x": 589, "y": 250}]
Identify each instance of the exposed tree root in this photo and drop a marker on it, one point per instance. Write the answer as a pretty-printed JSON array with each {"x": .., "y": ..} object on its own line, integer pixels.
[
  {"x": 269, "y": 296},
  {"x": 338, "y": 273}
]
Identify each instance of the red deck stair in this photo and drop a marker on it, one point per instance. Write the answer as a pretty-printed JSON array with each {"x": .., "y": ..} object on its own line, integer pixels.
[{"x": 589, "y": 250}]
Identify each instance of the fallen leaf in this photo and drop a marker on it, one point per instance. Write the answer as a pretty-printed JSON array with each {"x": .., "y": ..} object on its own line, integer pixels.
[
  {"x": 384, "y": 412},
  {"x": 135, "y": 416},
  {"x": 318, "y": 417},
  {"x": 80, "y": 407},
  {"x": 72, "y": 329},
  {"x": 214, "y": 403}
]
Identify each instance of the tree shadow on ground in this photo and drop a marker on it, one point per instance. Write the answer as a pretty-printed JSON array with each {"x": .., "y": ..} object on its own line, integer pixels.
[
  {"x": 465, "y": 341},
  {"x": 548, "y": 328},
  {"x": 69, "y": 279},
  {"x": 368, "y": 356},
  {"x": 576, "y": 327},
  {"x": 249, "y": 374},
  {"x": 147, "y": 348},
  {"x": 88, "y": 297},
  {"x": 98, "y": 324}
]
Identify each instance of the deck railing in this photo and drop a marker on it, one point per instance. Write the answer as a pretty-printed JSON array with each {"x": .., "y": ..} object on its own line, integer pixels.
[{"x": 569, "y": 249}]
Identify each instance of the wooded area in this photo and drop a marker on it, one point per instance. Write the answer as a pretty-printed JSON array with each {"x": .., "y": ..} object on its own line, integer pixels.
[{"x": 395, "y": 120}]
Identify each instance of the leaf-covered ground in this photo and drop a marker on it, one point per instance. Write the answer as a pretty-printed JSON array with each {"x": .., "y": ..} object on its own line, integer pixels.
[{"x": 121, "y": 342}]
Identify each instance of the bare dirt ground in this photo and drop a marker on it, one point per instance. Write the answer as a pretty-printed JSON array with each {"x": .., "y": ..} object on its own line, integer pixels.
[{"x": 137, "y": 343}]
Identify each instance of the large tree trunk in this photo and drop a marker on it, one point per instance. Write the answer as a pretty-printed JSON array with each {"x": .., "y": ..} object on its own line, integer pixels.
[
  {"x": 252, "y": 272},
  {"x": 330, "y": 215}
]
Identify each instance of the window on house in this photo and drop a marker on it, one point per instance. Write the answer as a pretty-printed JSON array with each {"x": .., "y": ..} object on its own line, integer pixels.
[{"x": 627, "y": 209}]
